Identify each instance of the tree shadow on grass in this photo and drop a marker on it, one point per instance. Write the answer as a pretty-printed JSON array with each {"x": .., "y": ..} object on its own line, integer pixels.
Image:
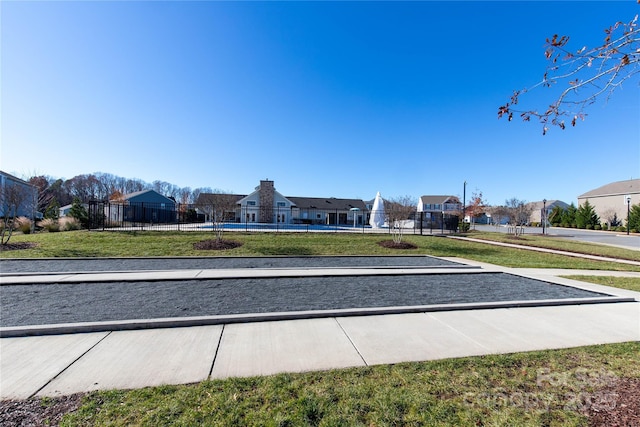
[
  {"x": 285, "y": 250},
  {"x": 464, "y": 250},
  {"x": 78, "y": 253}
]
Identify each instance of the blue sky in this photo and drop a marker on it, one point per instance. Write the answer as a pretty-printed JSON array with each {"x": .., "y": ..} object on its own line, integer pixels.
[{"x": 328, "y": 99}]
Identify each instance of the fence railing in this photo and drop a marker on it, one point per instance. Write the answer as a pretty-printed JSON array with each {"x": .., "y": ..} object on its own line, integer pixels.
[{"x": 123, "y": 216}]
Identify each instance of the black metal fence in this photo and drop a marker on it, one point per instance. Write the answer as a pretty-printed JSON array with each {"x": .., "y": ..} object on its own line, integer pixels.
[{"x": 123, "y": 216}]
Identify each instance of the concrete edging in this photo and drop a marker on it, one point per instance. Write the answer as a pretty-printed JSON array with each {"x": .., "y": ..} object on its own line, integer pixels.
[{"x": 137, "y": 324}]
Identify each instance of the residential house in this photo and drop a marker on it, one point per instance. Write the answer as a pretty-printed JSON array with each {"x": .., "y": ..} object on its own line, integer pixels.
[
  {"x": 219, "y": 206},
  {"x": 538, "y": 208},
  {"x": 433, "y": 210},
  {"x": 611, "y": 199},
  {"x": 17, "y": 197},
  {"x": 328, "y": 211},
  {"x": 266, "y": 205},
  {"x": 64, "y": 210},
  {"x": 142, "y": 206}
]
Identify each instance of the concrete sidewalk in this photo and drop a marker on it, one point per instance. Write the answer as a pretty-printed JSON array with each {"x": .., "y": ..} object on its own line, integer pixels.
[{"x": 55, "y": 365}]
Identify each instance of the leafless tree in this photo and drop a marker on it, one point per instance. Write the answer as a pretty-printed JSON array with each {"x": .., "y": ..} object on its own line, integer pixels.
[
  {"x": 162, "y": 187},
  {"x": 609, "y": 216},
  {"x": 42, "y": 183},
  {"x": 585, "y": 75},
  {"x": 519, "y": 214},
  {"x": 184, "y": 195},
  {"x": 219, "y": 208},
  {"x": 195, "y": 194},
  {"x": 134, "y": 185},
  {"x": 498, "y": 213},
  {"x": 12, "y": 198},
  {"x": 85, "y": 187},
  {"x": 398, "y": 210}
]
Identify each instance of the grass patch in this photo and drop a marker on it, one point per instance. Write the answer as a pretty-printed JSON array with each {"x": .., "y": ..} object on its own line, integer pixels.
[
  {"x": 629, "y": 283},
  {"x": 154, "y": 243},
  {"x": 550, "y": 242},
  {"x": 525, "y": 389}
]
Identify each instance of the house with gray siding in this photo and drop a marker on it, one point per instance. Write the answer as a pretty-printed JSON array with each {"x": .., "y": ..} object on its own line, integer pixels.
[
  {"x": 537, "y": 209},
  {"x": 17, "y": 197},
  {"x": 435, "y": 209},
  {"x": 611, "y": 198},
  {"x": 142, "y": 206}
]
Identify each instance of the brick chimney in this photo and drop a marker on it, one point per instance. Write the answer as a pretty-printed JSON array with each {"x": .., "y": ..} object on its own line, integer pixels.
[{"x": 266, "y": 197}]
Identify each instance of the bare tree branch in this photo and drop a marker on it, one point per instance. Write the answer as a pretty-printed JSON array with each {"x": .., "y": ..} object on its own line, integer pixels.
[{"x": 587, "y": 75}]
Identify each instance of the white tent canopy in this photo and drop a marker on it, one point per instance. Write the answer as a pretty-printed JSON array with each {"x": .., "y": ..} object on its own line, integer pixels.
[{"x": 377, "y": 212}]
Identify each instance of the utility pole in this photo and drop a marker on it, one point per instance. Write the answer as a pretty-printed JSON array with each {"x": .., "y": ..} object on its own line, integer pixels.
[
  {"x": 464, "y": 201},
  {"x": 544, "y": 215}
]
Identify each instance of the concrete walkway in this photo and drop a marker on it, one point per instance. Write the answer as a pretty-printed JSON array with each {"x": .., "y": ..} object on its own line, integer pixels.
[{"x": 53, "y": 365}]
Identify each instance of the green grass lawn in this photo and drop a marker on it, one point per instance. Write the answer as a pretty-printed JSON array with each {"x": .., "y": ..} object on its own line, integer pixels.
[
  {"x": 524, "y": 389},
  {"x": 630, "y": 283},
  {"x": 559, "y": 243},
  {"x": 154, "y": 243}
]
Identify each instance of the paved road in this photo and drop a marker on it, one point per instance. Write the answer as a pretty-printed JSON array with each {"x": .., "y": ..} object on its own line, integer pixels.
[{"x": 591, "y": 236}]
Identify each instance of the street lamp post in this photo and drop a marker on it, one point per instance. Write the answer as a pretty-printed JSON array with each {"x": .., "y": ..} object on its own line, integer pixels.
[
  {"x": 442, "y": 223},
  {"x": 628, "y": 211},
  {"x": 544, "y": 215}
]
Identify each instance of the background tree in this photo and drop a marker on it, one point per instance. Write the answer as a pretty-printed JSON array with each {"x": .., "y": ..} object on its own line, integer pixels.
[
  {"x": 195, "y": 194},
  {"x": 218, "y": 208},
  {"x": 476, "y": 206},
  {"x": 586, "y": 216},
  {"x": 134, "y": 185},
  {"x": 85, "y": 187},
  {"x": 519, "y": 213},
  {"x": 610, "y": 217},
  {"x": 569, "y": 216},
  {"x": 498, "y": 214},
  {"x": 634, "y": 218},
  {"x": 57, "y": 191},
  {"x": 584, "y": 75},
  {"x": 42, "y": 183},
  {"x": 79, "y": 212},
  {"x": 12, "y": 198},
  {"x": 398, "y": 210},
  {"x": 52, "y": 211},
  {"x": 555, "y": 216}
]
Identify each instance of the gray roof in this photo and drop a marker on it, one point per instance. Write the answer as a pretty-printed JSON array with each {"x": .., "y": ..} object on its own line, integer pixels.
[
  {"x": 330, "y": 203},
  {"x": 630, "y": 186},
  {"x": 205, "y": 198},
  {"x": 16, "y": 179},
  {"x": 549, "y": 205},
  {"x": 438, "y": 200},
  {"x": 154, "y": 196}
]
